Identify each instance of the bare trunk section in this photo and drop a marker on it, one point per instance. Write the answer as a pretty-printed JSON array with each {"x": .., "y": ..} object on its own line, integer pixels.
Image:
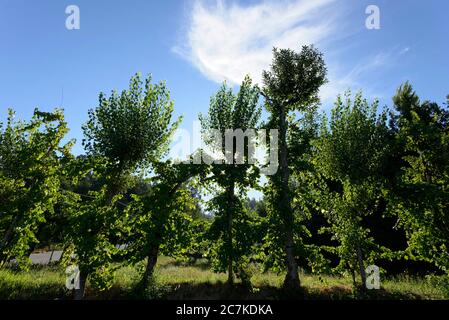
[
  {"x": 354, "y": 282},
  {"x": 80, "y": 292},
  {"x": 230, "y": 245},
  {"x": 151, "y": 263},
  {"x": 361, "y": 266},
  {"x": 51, "y": 256},
  {"x": 291, "y": 281}
]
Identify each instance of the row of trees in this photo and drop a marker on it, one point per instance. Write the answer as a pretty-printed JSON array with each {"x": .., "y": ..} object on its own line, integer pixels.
[{"x": 123, "y": 202}]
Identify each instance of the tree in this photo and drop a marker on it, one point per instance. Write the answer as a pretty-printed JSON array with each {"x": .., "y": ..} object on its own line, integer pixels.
[
  {"x": 351, "y": 151},
  {"x": 159, "y": 220},
  {"x": 231, "y": 114},
  {"x": 304, "y": 186},
  {"x": 291, "y": 86},
  {"x": 130, "y": 131},
  {"x": 31, "y": 166},
  {"x": 125, "y": 133},
  {"x": 421, "y": 200}
]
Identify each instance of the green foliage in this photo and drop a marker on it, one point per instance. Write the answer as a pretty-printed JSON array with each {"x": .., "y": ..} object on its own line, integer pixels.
[
  {"x": 230, "y": 231},
  {"x": 294, "y": 80},
  {"x": 131, "y": 129},
  {"x": 160, "y": 218},
  {"x": 124, "y": 133},
  {"x": 351, "y": 151},
  {"x": 121, "y": 203},
  {"x": 421, "y": 199},
  {"x": 31, "y": 165},
  {"x": 352, "y": 147},
  {"x": 93, "y": 226}
]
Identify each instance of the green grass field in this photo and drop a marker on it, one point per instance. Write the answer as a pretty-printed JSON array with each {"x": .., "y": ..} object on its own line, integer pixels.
[{"x": 176, "y": 280}]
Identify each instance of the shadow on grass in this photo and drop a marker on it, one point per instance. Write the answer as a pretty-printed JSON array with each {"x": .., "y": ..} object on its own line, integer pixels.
[
  {"x": 221, "y": 291},
  {"x": 202, "y": 264},
  {"x": 348, "y": 293}
]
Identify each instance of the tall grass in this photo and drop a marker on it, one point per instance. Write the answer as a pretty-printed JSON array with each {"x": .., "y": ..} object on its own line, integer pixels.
[{"x": 175, "y": 280}]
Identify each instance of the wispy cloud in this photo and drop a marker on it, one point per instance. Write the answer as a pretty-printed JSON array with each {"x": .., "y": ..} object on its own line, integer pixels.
[
  {"x": 359, "y": 76},
  {"x": 226, "y": 41},
  {"x": 341, "y": 79}
]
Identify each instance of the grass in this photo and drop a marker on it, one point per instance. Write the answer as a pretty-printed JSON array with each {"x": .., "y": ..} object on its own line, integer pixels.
[
  {"x": 38, "y": 283},
  {"x": 174, "y": 280}
]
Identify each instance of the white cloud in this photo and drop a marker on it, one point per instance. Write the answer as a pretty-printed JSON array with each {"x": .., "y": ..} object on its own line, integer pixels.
[
  {"x": 342, "y": 80},
  {"x": 227, "y": 41},
  {"x": 360, "y": 77}
]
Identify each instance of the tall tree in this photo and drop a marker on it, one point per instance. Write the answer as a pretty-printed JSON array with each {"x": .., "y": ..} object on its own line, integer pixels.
[
  {"x": 351, "y": 152},
  {"x": 125, "y": 133},
  {"x": 229, "y": 114},
  {"x": 291, "y": 86},
  {"x": 422, "y": 198}
]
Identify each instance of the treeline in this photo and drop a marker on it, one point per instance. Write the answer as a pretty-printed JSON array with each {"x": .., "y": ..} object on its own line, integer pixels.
[{"x": 338, "y": 176}]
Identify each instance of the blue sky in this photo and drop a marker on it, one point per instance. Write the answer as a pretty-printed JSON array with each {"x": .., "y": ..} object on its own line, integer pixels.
[{"x": 194, "y": 45}]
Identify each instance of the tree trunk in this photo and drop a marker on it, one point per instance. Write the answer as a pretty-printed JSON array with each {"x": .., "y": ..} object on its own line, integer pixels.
[
  {"x": 154, "y": 250},
  {"x": 354, "y": 282},
  {"x": 151, "y": 263},
  {"x": 291, "y": 281},
  {"x": 361, "y": 266},
  {"x": 230, "y": 245},
  {"x": 80, "y": 292},
  {"x": 9, "y": 233},
  {"x": 51, "y": 256}
]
